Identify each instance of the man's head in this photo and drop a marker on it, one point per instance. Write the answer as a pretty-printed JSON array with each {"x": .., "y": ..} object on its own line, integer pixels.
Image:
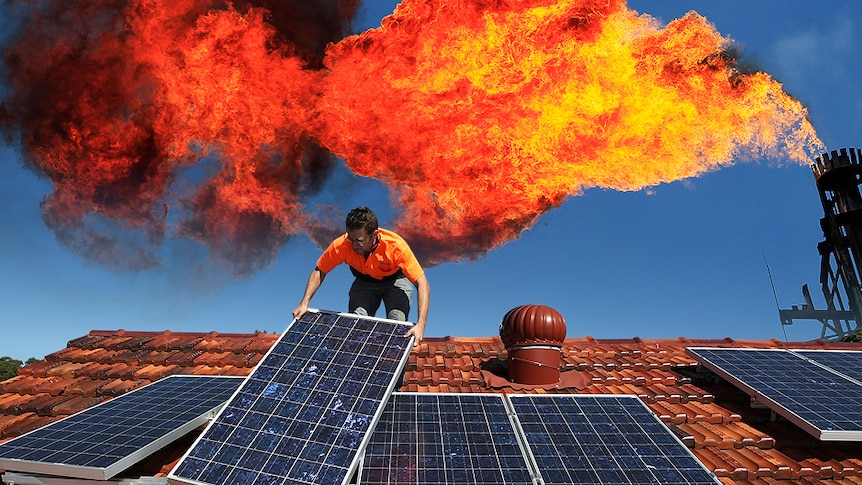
[{"x": 362, "y": 229}]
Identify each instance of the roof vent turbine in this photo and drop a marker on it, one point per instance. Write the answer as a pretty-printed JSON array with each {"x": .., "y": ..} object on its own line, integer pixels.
[{"x": 533, "y": 335}]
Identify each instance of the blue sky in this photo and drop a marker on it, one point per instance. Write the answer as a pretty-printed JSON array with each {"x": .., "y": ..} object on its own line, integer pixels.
[{"x": 687, "y": 258}]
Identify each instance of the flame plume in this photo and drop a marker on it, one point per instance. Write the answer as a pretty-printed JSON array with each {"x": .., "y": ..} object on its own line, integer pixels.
[
  {"x": 216, "y": 122},
  {"x": 483, "y": 118}
]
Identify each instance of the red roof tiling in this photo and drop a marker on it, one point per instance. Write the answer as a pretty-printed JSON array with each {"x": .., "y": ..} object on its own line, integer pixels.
[
  {"x": 77, "y": 404},
  {"x": 18, "y": 427},
  {"x": 741, "y": 444}
]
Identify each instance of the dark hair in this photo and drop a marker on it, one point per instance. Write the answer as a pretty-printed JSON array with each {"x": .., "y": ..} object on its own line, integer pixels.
[{"x": 362, "y": 217}]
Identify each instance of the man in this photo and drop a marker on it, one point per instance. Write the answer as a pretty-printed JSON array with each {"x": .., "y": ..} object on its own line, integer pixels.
[{"x": 385, "y": 269}]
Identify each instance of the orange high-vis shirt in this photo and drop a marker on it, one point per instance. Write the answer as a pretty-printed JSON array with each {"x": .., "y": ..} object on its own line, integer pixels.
[{"x": 391, "y": 254}]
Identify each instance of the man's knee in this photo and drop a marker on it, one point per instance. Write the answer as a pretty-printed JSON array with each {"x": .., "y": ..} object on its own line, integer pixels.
[
  {"x": 360, "y": 311},
  {"x": 396, "y": 314}
]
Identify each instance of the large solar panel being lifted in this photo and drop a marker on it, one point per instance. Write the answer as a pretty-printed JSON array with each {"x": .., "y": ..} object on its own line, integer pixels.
[
  {"x": 100, "y": 442},
  {"x": 305, "y": 414},
  {"x": 819, "y": 400},
  {"x": 601, "y": 439},
  {"x": 437, "y": 439}
]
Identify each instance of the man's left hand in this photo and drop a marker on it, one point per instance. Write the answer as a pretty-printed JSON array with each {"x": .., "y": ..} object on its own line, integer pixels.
[{"x": 417, "y": 331}]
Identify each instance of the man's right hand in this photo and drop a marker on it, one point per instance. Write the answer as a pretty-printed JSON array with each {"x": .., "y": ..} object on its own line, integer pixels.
[{"x": 301, "y": 310}]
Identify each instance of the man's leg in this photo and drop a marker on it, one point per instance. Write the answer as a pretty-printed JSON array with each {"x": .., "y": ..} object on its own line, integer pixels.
[
  {"x": 397, "y": 297},
  {"x": 364, "y": 298}
]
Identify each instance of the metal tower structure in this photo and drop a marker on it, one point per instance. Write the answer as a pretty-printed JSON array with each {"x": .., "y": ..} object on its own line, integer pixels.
[{"x": 838, "y": 175}]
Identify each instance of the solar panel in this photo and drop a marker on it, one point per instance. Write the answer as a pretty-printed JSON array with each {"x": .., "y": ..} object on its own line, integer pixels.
[
  {"x": 104, "y": 440},
  {"x": 817, "y": 399},
  {"x": 305, "y": 413},
  {"x": 437, "y": 439},
  {"x": 846, "y": 362},
  {"x": 598, "y": 439}
]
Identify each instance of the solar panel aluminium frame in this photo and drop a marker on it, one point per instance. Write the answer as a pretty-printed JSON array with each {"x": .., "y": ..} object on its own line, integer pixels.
[
  {"x": 141, "y": 440},
  {"x": 441, "y": 448},
  {"x": 800, "y": 413},
  {"x": 231, "y": 420},
  {"x": 657, "y": 468}
]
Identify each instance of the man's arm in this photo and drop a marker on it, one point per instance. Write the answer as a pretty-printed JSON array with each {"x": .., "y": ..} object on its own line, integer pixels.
[
  {"x": 423, "y": 299},
  {"x": 314, "y": 280}
]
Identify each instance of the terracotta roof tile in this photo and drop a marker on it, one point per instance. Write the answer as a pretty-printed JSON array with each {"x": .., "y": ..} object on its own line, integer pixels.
[
  {"x": 758, "y": 466},
  {"x": 211, "y": 358},
  {"x": 26, "y": 425},
  {"x": 43, "y": 404},
  {"x": 157, "y": 357},
  {"x": 8, "y": 421},
  {"x": 62, "y": 355},
  {"x": 710, "y": 412},
  {"x": 225, "y": 343},
  {"x": 21, "y": 403},
  {"x": 154, "y": 372},
  {"x": 131, "y": 356},
  {"x": 722, "y": 464},
  {"x": 66, "y": 370},
  {"x": 116, "y": 341},
  {"x": 261, "y": 343},
  {"x": 86, "y": 387},
  {"x": 783, "y": 467},
  {"x": 103, "y": 356},
  {"x": 729, "y": 435},
  {"x": 78, "y": 403},
  {"x": 95, "y": 370},
  {"x": 184, "y": 358},
  {"x": 21, "y": 384},
  {"x": 119, "y": 386},
  {"x": 693, "y": 412},
  {"x": 669, "y": 413},
  {"x": 254, "y": 359},
  {"x": 81, "y": 356},
  {"x": 87, "y": 341},
  {"x": 57, "y": 385},
  {"x": 37, "y": 369},
  {"x": 122, "y": 371},
  {"x": 125, "y": 342},
  {"x": 210, "y": 370},
  {"x": 166, "y": 341}
]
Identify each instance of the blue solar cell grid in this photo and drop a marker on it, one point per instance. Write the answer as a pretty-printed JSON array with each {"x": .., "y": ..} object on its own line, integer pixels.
[
  {"x": 306, "y": 411},
  {"x": 846, "y": 362},
  {"x": 817, "y": 399},
  {"x": 101, "y": 441},
  {"x": 437, "y": 439},
  {"x": 603, "y": 439}
]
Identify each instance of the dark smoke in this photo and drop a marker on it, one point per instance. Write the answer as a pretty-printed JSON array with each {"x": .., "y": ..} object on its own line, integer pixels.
[{"x": 70, "y": 63}]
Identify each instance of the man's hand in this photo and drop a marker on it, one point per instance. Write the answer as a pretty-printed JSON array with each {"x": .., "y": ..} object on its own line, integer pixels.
[
  {"x": 301, "y": 310},
  {"x": 417, "y": 331}
]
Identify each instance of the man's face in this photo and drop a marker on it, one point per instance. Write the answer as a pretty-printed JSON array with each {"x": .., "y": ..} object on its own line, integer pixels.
[{"x": 361, "y": 241}]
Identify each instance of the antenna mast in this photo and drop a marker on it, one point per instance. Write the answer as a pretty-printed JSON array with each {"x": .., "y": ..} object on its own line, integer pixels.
[{"x": 838, "y": 175}]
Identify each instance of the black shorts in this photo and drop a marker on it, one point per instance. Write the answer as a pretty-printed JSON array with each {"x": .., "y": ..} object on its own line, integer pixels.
[{"x": 394, "y": 293}]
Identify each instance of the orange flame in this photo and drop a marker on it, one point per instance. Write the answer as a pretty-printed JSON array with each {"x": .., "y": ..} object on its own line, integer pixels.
[
  {"x": 196, "y": 119},
  {"x": 482, "y": 119}
]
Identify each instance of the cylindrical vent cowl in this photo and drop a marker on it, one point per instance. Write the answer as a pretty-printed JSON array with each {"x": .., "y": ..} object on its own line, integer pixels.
[
  {"x": 532, "y": 324},
  {"x": 533, "y": 335}
]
